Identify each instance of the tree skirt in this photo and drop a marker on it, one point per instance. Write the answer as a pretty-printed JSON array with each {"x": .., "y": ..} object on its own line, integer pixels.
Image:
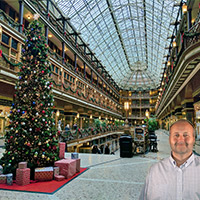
[{"x": 47, "y": 187}]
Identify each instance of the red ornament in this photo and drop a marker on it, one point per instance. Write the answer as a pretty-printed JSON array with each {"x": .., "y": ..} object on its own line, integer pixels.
[
  {"x": 23, "y": 66},
  {"x": 11, "y": 137},
  {"x": 32, "y": 119},
  {"x": 46, "y": 122},
  {"x": 41, "y": 104},
  {"x": 28, "y": 144},
  {"x": 49, "y": 147},
  {"x": 39, "y": 37},
  {"x": 43, "y": 71},
  {"x": 43, "y": 111},
  {"x": 48, "y": 14}
]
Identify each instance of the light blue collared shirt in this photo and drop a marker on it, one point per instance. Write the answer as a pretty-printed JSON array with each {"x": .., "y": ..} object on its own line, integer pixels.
[{"x": 167, "y": 181}]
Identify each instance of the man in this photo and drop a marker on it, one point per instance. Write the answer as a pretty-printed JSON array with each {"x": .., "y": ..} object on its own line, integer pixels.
[{"x": 176, "y": 177}]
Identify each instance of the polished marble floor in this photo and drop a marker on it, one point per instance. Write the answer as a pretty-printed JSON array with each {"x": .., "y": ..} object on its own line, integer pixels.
[{"x": 109, "y": 177}]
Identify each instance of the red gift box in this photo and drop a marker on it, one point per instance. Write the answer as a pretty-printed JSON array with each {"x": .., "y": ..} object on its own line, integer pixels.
[
  {"x": 23, "y": 176},
  {"x": 59, "y": 178},
  {"x": 67, "y": 167},
  {"x": 22, "y": 165},
  {"x": 44, "y": 174},
  {"x": 78, "y": 164},
  {"x": 61, "y": 150},
  {"x": 2, "y": 179}
]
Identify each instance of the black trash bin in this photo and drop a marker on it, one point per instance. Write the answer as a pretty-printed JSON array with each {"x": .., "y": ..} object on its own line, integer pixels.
[{"x": 125, "y": 142}]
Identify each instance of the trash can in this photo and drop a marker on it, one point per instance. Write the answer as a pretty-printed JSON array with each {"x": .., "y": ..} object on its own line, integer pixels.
[{"x": 125, "y": 142}]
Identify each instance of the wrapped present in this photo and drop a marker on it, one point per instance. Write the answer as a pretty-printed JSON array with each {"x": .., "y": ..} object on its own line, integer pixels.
[
  {"x": 22, "y": 165},
  {"x": 44, "y": 174},
  {"x": 23, "y": 176},
  {"x": 74, "y": 155},
  {"x": 9, "y": 179},
  {"x": 78, "y": 164},
  {"x": 59, "y": 178},
  {"x": 61, "y": 150},
  {"x": 2, "y": 179},
  {"x": 55, "y": 171},
  {"x": 67, "y": 167},
  {"x": 1, "y": 170}
]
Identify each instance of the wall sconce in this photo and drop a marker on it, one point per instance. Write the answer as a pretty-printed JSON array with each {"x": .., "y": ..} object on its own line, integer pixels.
[
  {"x": 147, "y": 114},
  {"x": 174, "y": 44},
  {"x": 50, "y": 35},
  {"x": 126, "y": 105},
  {"x": 184, "y": 8},
  {"x": 28, "y": 17},
  {"x": 90, "y": 116},
  {"x": 58, "y": 113}
]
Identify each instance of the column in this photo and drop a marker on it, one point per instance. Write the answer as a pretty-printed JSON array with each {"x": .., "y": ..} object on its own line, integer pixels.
[
  {"x": 46, "y": 27},
  {"x": 21, "y": 13},
  {"x": 63, "y": 43},
  {"x": 189, "y": 18},
  {"x": 84, "y": 65},
  {"x": 75, "y": 62},
  {"x": 91, "y": 76}
]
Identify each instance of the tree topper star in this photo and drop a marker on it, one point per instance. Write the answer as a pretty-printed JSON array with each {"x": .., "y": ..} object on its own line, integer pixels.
[{"x": 36, "y": 16}]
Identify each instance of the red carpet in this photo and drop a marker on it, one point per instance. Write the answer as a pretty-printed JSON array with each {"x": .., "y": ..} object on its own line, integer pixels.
[{"x": 48, "y": 187}]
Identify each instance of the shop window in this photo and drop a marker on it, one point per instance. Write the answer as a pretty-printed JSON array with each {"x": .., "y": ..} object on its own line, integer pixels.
[
  {"x": 52, "y": 68},
  {"x": 64, "y": 74},
  {"x": 14, "y": 44},
  {"x": 5, "y": 38},
  {"x": 57, "y": 70}
]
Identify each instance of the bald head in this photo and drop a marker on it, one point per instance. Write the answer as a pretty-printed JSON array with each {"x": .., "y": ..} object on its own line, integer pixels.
[{"x": 182, "y": 121}]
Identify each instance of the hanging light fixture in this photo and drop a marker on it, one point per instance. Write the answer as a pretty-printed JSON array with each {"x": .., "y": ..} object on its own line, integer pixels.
[{"x": 184, "y": 8}]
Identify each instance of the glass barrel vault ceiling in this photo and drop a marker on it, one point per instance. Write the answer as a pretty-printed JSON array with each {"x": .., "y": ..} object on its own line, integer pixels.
[{"x": 128, "y": 36}]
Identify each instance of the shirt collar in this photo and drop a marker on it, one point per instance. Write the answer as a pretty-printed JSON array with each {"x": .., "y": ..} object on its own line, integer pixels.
[{"x": 185, "y": 164}]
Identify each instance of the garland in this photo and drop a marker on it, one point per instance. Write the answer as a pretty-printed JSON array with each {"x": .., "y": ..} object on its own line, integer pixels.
[
  {"x": 11, "y": 63},
  {"x": 187, "y": 34}
]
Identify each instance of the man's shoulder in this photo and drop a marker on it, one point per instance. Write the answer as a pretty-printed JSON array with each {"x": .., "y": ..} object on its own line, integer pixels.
[{"x": 163, "y": 163}]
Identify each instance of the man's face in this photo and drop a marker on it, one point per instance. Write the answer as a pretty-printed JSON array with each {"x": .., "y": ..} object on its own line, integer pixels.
[{"x": 181, "y": 138}]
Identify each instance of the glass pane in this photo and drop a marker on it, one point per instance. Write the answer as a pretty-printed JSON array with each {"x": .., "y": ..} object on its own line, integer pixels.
[
  {"x": 5, "y": 38},
  {"x": 14, "y": 43}
]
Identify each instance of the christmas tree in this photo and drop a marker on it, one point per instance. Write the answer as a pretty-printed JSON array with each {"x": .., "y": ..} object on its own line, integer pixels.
[{"x": 32, "y": 135}]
